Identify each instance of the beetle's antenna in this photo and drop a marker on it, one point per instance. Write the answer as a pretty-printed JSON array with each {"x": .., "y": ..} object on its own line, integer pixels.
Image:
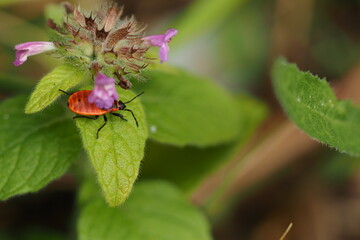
[
  {"x": 133, "y": 114},
  {"x": 67, "y": 93},
  {"x": 134, "y": 98}
]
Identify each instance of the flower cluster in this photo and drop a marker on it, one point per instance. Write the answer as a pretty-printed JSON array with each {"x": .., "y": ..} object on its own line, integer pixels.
[{"x": 112, "y": 48}]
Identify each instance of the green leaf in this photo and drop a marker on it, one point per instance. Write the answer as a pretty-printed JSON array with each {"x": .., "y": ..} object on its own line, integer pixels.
[
  {"x": 63, "y": 77},
  {"x": 203, "y": 15},
  {"x": 183, "y": 109},
  {"x": 117, "y": 153},
  {"x": 311, "y": 104},
  {"x": 34, "y": 149},
  {"x": 155, "y": 210},
  {"x": 198, "y": 163}
]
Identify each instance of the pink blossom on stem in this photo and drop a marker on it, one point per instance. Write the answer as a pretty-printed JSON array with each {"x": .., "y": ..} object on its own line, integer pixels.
[
  {"x": 31, "y": 48},
  {"x": 104, "y": 93},
  {"x": 161, "y": 41}
]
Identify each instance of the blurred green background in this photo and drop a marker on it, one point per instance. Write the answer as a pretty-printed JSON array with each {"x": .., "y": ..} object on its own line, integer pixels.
[{"x": 286, "y": 177}]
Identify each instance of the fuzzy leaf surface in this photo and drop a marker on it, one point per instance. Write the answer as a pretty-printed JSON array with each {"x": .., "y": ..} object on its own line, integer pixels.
[
  {"x": 62, "y": 77},
  {"x": 155, "y": 210},
  {"x": 183, "y": 109},
  {"x": 310, "y": 102},
  {"x": 117, "y": 153},
  {"x": 170, "y": 162},
  {"x": 34, "y": 149}
]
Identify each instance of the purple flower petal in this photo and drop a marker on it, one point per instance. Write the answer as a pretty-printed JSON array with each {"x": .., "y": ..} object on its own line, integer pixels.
[
  {"x": 155, "y": 40},
  {"x": 161, "y": 41},
  {"x": 31, "y": 48},
  {"x": 170, "y": 33},
  {"x": 21, "y": 57},
  {"x": 104, "y": 93},
  {"x": 163, "y": 53}
]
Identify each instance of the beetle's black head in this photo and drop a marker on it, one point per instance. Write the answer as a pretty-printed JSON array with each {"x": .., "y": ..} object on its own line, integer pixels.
[{"x": 121, "y": 105}]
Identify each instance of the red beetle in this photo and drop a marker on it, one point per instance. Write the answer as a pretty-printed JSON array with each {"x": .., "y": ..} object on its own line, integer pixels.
[{"x": 79, "y": 104}]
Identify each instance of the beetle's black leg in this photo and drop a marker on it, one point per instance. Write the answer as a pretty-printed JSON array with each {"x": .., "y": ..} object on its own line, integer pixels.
[
  {"x": 88, "y": 117},
  {"x": 119, "y": 115},
  {"x": 97, "y": 133},
  {"x": 93, "y": 118},
  {"x": 132, "y": 115},
  {"x": 67, "y": 93}
]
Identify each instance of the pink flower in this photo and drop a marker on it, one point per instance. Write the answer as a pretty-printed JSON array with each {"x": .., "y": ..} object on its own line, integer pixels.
[
  {"x": 31, "y": 48},
  {"x": 104, "y": 93},
  {"x": 161, "y": 41}
]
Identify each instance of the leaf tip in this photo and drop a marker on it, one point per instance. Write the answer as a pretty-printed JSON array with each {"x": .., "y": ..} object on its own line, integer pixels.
[
  {"x": 115, "y": 202},
  {"x": 29, "y": 109}
]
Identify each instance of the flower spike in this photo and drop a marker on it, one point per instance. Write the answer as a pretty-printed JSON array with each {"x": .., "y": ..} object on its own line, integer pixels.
[
  {"x": 161, "y": 41},
  {"x": 31, "y": 48},
  {"x": 104, "y": 93}
]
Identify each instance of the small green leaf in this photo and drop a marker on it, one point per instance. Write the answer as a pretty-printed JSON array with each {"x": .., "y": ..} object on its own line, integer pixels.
[
  {"x": 311, "y": 104},
  {"x": 183, "y": 109},
  {"x": 34, "y": 149},
  {"x": 155, "y": 210},
  {"x": 117, "y": 153},
  {"x": 199, "y": 163},
  {"x": 63, "y": 77}
]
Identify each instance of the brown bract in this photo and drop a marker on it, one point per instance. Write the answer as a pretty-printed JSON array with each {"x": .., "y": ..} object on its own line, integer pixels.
[{"x": 104, "y": 37}]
